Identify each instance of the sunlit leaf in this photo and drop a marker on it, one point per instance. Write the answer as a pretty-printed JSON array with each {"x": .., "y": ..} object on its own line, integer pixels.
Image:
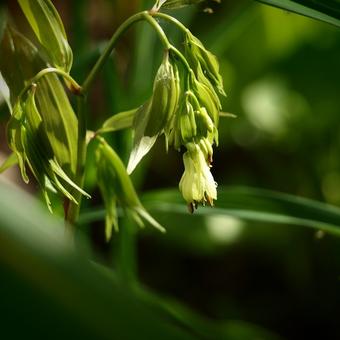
[
  {"x": 142, "y": 143},
  {"x": 60, "y": 121},
  {"x": 48, "y": 27},
  {"x": 19, "y": 62},
  {"x": 323, "y": 10},
  {"x": 119, "y": 121}
]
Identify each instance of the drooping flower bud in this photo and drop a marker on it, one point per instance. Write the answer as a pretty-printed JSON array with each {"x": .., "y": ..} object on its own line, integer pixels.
[
  {"x": 204, "y": 63},
  {"x": 197, "y": 184},
  {"x": 116, "y": 188},
  {"x": 155, "y": 115},
  {"x": 207, "y": 98}
]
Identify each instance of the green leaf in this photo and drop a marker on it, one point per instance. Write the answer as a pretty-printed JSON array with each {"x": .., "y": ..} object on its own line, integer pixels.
[
  {"x": 45, "y": 282},
  {"x": 11, "y": 160},
  {"x": 119, "y": 121},
  {"x": 48, "y": 27},
  {"x": 255, "y": 205},
  {"x": 60, "y": 121},
  {"x": 19, "y": 62},
  {"x": 142, "y": 143},
  {"x": 323, "y": 10}
]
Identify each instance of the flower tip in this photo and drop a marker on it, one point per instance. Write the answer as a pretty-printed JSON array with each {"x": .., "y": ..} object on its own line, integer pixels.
[{"x": 191, "y": 207}]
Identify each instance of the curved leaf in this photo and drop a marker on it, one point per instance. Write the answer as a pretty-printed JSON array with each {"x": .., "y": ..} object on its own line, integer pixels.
[
  {"x": 255, "y": 205},
  {"x": 323, "y": 10},
  {"x": 119, "y": 121}
]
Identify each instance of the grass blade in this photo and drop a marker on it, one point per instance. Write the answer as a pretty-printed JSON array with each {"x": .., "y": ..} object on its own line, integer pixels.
[
  {"x": 326, "y": 10},
  {"x": 255, "y": 205}
]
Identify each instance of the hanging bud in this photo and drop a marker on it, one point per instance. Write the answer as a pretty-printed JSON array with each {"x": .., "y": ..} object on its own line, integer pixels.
[
  {"x": 155, "y": 115},
  {"x": 164, "y": 98},
  {"x": 206, "y": 147},
  {"x": 205, "y": 122},
  {"x": 204, "y": 63},
  {"x": 207, "y": 98},
  {"x": 197, "y": 184},
  {"x": 187, "y": 123},
  {"x": 116, "y": 187}
]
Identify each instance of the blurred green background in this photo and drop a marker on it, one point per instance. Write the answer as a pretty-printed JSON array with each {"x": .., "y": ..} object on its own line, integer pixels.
[{"x": 281, "y": 75}]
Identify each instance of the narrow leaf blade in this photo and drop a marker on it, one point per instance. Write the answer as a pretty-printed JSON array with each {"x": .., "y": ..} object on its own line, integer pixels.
[
  {"x": 119, "y": 121},
  {"x": 255, "y": 205},
  {"x": 326, "y": 11}
]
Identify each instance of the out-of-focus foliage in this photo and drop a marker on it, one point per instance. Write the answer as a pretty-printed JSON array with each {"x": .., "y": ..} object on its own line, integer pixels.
[{"x": 41, "y": 291}]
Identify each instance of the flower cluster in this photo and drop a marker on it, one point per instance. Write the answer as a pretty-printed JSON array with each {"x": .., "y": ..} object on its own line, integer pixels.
[{"x": 185, "y": 107}]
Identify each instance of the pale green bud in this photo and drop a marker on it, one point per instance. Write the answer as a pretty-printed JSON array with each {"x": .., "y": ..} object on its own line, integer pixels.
[
  {"x": 188, "y": 124},
  {"x": 206, "y": 147},
  {"x": 116, "y": 188},
  {"x": 155, "y": 116},
  {"x": 197, "y": 184},
  {"x": 207, "y": 98},
  {"x": 165, "y": 96},
  {"x": 204, "y": 122},
  {"x": 204, "y": 63}
]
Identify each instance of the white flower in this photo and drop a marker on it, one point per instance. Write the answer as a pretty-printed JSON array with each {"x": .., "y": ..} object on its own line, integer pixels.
[{"x": 197, "y": 183}]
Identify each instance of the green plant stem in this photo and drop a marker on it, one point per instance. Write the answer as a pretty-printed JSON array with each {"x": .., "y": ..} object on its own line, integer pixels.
[
  {"x": 74, "y": 86},
  {"x": 122, "y": 28},
  {"x": 177, "y": 23},
  {"x": 155, "y": 25},
  {"x": 126, "y": 254},
  {"x": 171, "y": 19},
  {"x": 72, "y": 209},
  {"x": 181, "y": 57}
]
